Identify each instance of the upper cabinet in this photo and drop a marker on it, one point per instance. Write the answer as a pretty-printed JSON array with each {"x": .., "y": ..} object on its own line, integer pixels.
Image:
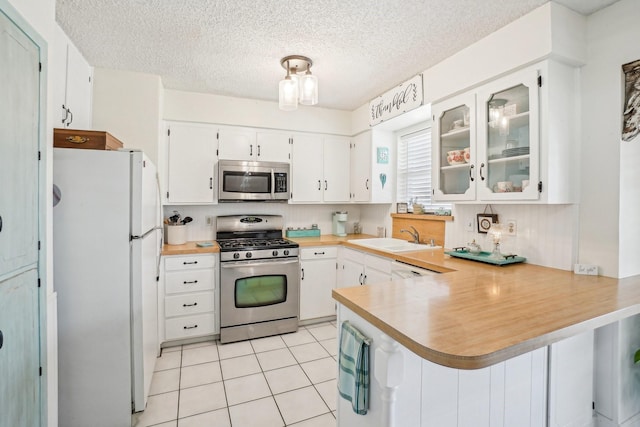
[
  {"x": 72, "y": 84},
  {"x": 191, "y": 159},
  {"x": 320, "y": 169},
  {"x": 509, "y": 140},
  {"x": 371, "y": 167},
  {"x": 254, "y": 145}
]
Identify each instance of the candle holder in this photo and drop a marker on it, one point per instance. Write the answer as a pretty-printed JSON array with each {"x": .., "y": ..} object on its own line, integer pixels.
[{"x": 496, "y": 235}]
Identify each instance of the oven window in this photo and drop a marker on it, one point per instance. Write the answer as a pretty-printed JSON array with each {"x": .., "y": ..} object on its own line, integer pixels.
[
  {"x": 260, "y": 291},
  {"x": 246, "y": 182}
]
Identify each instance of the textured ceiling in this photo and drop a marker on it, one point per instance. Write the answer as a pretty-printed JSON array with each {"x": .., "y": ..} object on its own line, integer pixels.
[{"x": 360, "y": 48}]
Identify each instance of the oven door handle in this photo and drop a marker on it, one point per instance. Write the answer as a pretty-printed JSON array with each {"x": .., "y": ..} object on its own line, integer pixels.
[{"x": 256, "y": 263}]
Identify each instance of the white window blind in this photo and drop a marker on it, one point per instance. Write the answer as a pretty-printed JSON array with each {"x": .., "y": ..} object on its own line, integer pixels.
[{"x": 414, "y": 168}]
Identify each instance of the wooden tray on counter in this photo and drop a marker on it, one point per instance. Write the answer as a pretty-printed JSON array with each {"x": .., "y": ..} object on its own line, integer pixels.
[{"x": 486, "y": 257}]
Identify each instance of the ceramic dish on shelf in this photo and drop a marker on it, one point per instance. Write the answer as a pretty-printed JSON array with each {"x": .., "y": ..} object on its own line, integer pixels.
[
  {"x": 518, "y": 151},
  {"x": 455, "y": 157}
]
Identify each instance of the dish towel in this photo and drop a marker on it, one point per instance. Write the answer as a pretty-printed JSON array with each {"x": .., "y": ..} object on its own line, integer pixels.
[{"x": 353, "y": 372}]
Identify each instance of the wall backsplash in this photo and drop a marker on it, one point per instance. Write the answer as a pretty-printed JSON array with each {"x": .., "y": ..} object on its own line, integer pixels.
[
  {"x": 369, "y": 216},
  {"x": 546, "y": 234}
]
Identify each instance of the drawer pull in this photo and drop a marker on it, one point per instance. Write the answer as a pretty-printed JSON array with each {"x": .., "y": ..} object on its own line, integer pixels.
[
  {"x": 190, "y": 262},
  {"x": 188, "y": 282},
  {"x": 318, "y": 253},
  {"x": 190, "y": 305},
  {"x": 190, "y": 327}
]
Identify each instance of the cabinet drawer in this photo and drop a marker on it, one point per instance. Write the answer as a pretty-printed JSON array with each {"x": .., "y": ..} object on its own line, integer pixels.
[
  {"x": 189, "y": 281},
  {"x": 320, "y": 252},
  {"x": 189, "y": 326},
  {"x": 189, "y": 262},
  {"x": 192, "y": 303},
  {"x": 378, "y": 263}
]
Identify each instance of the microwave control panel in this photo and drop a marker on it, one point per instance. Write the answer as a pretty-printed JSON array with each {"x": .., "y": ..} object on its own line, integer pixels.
[{"x": 281, "y": 182}]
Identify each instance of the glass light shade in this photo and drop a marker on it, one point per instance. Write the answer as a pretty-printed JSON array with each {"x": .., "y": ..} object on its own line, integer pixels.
[
  {"x": 288, "y": 94},
  {"x": 308, "y": 89}
]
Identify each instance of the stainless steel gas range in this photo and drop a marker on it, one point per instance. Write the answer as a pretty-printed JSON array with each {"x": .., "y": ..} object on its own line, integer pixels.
[{"x": 259, "y": 277}]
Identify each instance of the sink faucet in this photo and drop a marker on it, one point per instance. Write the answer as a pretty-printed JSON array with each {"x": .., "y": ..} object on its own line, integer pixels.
[{"x": 415, "y": 234}]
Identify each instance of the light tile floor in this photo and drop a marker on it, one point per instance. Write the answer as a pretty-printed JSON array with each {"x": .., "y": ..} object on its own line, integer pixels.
[{"x": 287, "y": 380}]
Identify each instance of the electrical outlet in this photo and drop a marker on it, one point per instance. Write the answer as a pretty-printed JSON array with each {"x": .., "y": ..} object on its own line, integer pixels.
[
  {"x": 468, "y": 225},
  {"x": 209, "y": 220},
  {"x": 511, "y": 227},
  {"x": 588, "y": 269}
]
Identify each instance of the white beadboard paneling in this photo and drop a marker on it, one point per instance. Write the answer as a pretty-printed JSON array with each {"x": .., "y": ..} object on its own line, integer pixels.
[
  {"x": 294, "y": 216},
  {"x": 545, "y": 233}
]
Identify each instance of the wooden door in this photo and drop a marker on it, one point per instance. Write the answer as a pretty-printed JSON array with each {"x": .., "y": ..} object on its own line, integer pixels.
[{"x": 19, "y": 292}]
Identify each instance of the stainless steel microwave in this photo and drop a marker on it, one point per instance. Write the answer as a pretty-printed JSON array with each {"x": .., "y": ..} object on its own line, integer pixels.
[{"x": 244, "y": 181}]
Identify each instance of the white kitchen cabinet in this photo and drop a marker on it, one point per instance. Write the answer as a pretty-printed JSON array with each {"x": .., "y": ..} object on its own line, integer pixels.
[
  {"x": 320, "y": 169},
  {"x": 188, "y": 306},
  {"x": 371, "y": 164},
  {"x": 73, "y": 86},
  {"x": 191, "y": 159},
  {"x": 254, "y": 145},
  {"x": 519, "y": 132},
  {"x": 273, "y": 146},
  {"x": 359, "y": 268},
  {"x": 317, "y": 280}
]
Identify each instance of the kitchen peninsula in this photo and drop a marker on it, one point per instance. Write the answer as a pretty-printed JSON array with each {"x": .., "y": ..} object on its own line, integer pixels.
[{"x": 483, "y": 345}]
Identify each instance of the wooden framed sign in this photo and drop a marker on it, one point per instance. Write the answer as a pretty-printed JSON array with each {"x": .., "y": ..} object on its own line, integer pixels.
[{"x": 402, "y": 98}]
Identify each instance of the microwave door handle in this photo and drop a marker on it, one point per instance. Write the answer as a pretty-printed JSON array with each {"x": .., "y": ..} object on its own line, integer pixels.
[{"x": 273, "y": 185}]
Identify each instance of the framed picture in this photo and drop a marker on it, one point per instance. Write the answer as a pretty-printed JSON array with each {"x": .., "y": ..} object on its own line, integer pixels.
[
  {"x": 485, "y": 221},
  {"x": 383, "y": 155},
  {"x": 402, "y": 208}
]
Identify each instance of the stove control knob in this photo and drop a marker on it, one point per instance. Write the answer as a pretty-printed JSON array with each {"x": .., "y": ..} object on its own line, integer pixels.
[
  {"x": 274, "y": 253},
  {"x": 236, "y": 255},
  {"x": 286, "y": 251},
  {"x": 248, "y": 255}
]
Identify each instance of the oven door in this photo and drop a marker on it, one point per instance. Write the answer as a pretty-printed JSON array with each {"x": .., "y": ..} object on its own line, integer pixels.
[{"x": 258, "y": 291}]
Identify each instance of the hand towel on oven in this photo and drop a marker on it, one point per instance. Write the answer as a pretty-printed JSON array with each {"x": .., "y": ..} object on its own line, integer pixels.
[{"x": 353, "y": 372}]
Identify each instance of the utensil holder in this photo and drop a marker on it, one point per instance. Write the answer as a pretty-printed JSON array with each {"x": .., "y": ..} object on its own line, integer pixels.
[{"x": 175, "y": 234}]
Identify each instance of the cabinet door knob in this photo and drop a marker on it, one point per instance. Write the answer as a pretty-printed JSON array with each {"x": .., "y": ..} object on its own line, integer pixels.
[
  {"x": 471, "y": 173},
  {"x": 1, "y": 339},
  {"x": 325, "y": 185},
  {"x": 0, "y": 222},
  {"x": 258, "y": 150},
  {"x": 366, "y": 184},
  {"x": 251, "y": 149},
  {"x": 302, "y": 278},
  {"x": 210, "y": 183},
  {"x": 481, "y": 166},
  {"x": 319, "y": 185}
]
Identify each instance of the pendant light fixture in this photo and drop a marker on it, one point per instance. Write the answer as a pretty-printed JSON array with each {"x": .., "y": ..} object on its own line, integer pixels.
[{"x": 299, "y": 85}]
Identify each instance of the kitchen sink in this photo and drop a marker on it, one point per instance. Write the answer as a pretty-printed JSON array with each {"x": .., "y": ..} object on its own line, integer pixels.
[{"x": 390, "y": 244}]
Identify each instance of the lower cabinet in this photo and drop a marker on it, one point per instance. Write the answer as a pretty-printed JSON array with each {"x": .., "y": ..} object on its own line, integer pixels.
[
  {"x": 317, "y": 279},
  {"x": 189, "y": 303},
  {"x": 359, "y": 268},
  {"x": 551, "y": 386}
]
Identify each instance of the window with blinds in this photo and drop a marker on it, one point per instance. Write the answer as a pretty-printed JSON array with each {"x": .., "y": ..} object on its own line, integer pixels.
[{"x": 414, "y": 168}]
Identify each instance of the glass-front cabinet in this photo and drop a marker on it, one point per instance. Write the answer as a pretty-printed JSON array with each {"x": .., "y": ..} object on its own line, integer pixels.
[
  {"x": 488, "y": 153},
  {"x": 508, "y": 138},
  {"x": 454, "y": 148}
]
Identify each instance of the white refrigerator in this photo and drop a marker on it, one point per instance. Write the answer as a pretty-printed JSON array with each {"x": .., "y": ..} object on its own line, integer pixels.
[{"x": 106, "y": 252}]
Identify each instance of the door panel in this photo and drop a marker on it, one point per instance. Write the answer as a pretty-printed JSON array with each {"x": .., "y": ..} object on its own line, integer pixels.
[
  {"x": 19, "y": 148},
  {"x": 19, "y": 354}
]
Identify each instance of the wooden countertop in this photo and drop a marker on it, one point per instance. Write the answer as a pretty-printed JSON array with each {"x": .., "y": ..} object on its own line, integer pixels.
[
  {"x": 481, "y": 314},
  {"x": 190, "y": 248}
]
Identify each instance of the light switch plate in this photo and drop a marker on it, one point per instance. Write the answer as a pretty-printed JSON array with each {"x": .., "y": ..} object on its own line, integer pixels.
[{"x": 587, "y": 269}]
